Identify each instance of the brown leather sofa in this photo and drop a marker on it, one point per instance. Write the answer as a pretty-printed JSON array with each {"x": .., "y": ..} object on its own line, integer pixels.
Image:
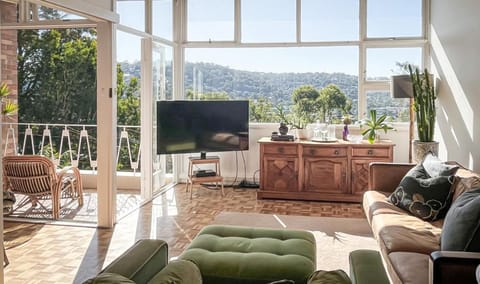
[{"x": 410, "y": 247}]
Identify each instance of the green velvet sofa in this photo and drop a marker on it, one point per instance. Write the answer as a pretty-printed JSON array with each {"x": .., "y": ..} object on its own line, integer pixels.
[{"x": 147, "y": 262}]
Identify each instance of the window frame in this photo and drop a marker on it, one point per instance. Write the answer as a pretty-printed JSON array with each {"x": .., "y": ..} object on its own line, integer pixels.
[{"x": 363, "y": 44}]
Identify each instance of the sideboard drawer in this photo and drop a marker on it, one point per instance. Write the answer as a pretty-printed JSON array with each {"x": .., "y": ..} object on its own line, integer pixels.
[
  {"x": 371, "y": 152},
  {"x": 280, "y": 149},
  {"x": 325, "y": 151}
]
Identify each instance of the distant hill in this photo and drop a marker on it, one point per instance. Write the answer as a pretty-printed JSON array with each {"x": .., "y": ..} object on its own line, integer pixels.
[{"x": 239, "y": 84}]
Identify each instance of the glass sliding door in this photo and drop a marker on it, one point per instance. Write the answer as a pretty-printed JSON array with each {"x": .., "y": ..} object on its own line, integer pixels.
[
  {"x": 156, "y": 169},
  {"x": 162, "y": 168}
]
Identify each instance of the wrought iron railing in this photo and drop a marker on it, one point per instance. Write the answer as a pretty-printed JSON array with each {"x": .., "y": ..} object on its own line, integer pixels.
[{"x": 71, "y": 144}]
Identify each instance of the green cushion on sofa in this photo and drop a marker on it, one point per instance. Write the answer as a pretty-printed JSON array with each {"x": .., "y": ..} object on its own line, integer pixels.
[
  {"x": 178, "y": 272},
  {"x": 461, "y": 229},
  {"x": 329, "y": 277},
  {"x": 233, "y": 254},
  {"x": 108, "y": 278}
]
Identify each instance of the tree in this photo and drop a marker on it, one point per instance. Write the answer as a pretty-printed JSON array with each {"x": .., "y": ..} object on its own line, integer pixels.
[
  {"x": 331, "y": 99},
  {"x": 261, "y": 110},
  {"x": 57, "y": 70},
  {"x": 305, "y": 105},
  {"x": 128, "y": 113},
  {"x": 208, "y": 96}
]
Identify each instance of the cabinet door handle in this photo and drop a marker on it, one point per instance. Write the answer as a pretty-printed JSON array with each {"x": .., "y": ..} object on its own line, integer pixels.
[
  {"x": 370, "y": 152},
  {"x": 281, "y": 150},
  {"x": 336, "y": 152},
  {"x": 312, "y": 152}
]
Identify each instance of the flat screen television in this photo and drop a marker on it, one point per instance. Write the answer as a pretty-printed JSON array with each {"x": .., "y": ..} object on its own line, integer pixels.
[{"x": 201, "y": 126}]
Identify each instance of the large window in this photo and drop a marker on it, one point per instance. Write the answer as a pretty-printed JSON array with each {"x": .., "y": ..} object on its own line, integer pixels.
[
  {"x": 269, "y": 73},
  {"x": 162, "y": 20},
  {"x": 385, "y": 62},
  {"x": 268, "y": 21},
  {"x": 280, "y": 46},
  {"x": 394, "y": 18},
  {"x": 132, "y": 13},
  {"x": 210, "y": 20},
  {"x": 330, "y": 20}
]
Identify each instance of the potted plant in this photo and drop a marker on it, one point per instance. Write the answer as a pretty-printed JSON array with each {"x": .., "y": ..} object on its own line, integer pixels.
[
  {"x": 8, "y": 107},
  {"x": 375, "y": 124},
  {"x": 425, "y": 112},
  {"x": 304, "y": 110}
]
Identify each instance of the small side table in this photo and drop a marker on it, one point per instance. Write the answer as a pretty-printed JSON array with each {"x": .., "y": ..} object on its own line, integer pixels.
[{"x": 192, "y": 179}]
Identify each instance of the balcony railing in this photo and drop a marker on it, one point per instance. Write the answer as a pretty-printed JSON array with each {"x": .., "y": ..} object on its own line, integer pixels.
[{"x": 71, "y": 144}]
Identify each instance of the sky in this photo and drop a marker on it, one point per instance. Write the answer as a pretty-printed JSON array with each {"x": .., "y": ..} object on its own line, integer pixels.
[{"x": 274, "y": 21}]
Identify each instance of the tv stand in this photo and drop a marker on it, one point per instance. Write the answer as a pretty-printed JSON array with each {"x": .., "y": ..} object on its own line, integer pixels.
[{"x": 193, "y": 178}]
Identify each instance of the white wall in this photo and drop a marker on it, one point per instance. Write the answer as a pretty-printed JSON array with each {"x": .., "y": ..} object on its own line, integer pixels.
[
  {"x": 252, "y": 156},
  {"x": 455, "y": 55}
]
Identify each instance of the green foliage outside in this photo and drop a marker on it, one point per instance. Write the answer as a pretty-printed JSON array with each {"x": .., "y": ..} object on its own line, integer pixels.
[
  {"x": 207, "y": 96},
  {"x": 57, "y": 76},
  {"x": 310, "y": 105}
]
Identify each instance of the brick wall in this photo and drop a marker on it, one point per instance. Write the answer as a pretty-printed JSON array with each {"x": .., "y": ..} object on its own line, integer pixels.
[{"x": 8, "y": 59}]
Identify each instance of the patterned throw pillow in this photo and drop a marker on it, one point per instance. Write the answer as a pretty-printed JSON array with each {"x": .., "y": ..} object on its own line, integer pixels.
[{"x": 425, "y": 197}]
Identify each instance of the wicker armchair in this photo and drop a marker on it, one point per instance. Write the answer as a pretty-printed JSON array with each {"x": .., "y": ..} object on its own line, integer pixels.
[{"x": 38, "y": 178}]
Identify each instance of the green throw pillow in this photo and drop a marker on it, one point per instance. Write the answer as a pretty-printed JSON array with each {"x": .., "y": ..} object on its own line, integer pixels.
[
  {"x": 109, "y": 278},
  {"x": 329, "y": 277},
  {"x": 425, "y": 197},
  {"x": 178, "y": 272},
  {"x": 461, "y": 229}
]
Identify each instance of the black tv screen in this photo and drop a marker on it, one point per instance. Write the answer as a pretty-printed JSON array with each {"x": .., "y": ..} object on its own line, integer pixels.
[{"x": 201, "y": 126}]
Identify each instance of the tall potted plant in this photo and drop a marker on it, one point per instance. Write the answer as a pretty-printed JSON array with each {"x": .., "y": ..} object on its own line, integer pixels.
[{"x": 425, "y": 112}]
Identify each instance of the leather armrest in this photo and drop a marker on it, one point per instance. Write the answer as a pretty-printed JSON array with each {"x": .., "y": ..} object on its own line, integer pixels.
[
  {"x": 453, "y": 267},
  {"x": 386, "y": 176},
  {"x": 141, "y": 261}
]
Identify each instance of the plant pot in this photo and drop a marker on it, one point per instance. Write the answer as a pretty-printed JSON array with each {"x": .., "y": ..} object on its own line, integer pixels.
[
  {"x": 421, "y": 149},
  {"x": 302, "y": 133}
]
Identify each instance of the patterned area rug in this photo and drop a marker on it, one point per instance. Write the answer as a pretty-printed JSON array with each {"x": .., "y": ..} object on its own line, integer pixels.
[{"x": 336, "y": 237}]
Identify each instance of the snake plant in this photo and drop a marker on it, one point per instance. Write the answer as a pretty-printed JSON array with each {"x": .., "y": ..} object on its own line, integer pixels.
[
  {"x": 423, "y": 103},
  {"x": 373, "y": 125}
]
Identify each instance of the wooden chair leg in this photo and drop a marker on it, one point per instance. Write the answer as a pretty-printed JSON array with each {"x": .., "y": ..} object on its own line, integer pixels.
[
  {"x": 223, "y": 192},
  {"x": 5, "y": 258}
]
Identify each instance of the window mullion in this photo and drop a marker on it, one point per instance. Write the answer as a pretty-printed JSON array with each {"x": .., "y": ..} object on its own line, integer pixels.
[
  {"x": 237, "y": 38},
  {"x": 299, "y": 21}
]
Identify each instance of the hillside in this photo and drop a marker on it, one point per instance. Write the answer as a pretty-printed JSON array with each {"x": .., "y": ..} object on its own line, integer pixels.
[{"x": 239, "y": 84}]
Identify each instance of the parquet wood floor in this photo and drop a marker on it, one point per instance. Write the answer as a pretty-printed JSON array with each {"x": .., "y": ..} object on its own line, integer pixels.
[{"x": 41, "y": 253}]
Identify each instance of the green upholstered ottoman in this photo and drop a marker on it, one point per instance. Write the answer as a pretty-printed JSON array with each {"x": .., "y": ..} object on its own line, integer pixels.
[{"x": 233, "y": 254}]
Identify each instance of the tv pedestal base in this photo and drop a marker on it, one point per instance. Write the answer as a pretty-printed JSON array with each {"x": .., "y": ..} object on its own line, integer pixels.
[{"x": 193, "y": 179}]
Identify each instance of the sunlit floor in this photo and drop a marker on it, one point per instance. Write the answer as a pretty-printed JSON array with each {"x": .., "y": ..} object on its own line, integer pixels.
[
  {"x": 42, "y": 253},
  {"x": 127, "y": 200}
]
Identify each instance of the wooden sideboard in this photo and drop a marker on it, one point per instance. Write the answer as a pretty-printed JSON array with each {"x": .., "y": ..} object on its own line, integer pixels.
[{"x": 308, "y": 170}]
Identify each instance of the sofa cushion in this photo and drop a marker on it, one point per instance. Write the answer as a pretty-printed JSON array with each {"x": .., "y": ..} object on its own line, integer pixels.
[
  {"x": 107, "y": 278},
  {"x": 461, "y": 231},
  {"x": 406, "y": 233},
  {"x": 464, "y": 184},
  {"x": 235, "y": 254},
  {"x": 377, "y": 202},
  {"x": 409, "y": 267},
  {"x": 423, "y": 196},
  {"x": 329, "y": 277},
  {"x": 435, "y": 167},
  {"x": 178, "y": 272}
]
